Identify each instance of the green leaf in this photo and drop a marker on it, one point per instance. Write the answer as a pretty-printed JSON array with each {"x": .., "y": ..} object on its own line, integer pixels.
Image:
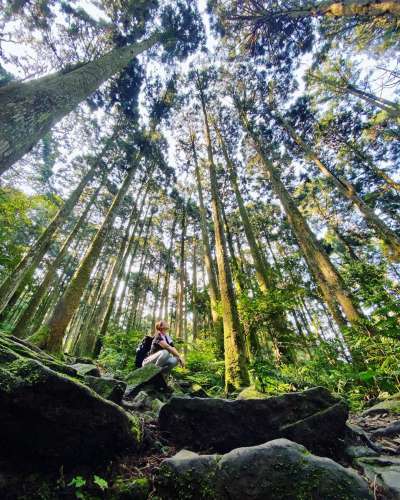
[
  {"x": 77, "y": 481},
  {"x": 101, "y": 483},
  {"x": 367, "y": 375}
]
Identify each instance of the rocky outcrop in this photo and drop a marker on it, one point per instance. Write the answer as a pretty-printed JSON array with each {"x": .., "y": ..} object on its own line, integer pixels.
[
  {"x": 221, "y": 425},
  {"x": 277, "y": 470},
  {"x": 48, "y": 417}
]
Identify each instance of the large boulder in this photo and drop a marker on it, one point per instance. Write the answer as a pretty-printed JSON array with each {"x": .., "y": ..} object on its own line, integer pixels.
[
  {"x": 313, "y": 418},
  {"x": 278, "y": 470},
  {"x": 49, "y": 417}
]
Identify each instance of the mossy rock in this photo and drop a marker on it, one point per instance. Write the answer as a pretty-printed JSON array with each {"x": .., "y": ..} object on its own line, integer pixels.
[
  {"x": 278, "y": 470},
  {"x": 12, "y": 348},
  {"x": 389, "y": 405},
  {"x": 149, "y": 376},
  {"x": 220, "y": 425},
  {"x": 51, "y": 419},
  {"x": 252, "y": 393},
  {"x": 133, "y": 489}
]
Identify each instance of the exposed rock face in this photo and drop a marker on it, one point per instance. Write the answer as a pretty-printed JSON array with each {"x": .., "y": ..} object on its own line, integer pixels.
[
  {"x": 278, "y": 470},
  {"x": 107, "y": 388},
  {"x": 49, "y": 417},
  {"x": 313, "y": 418}
]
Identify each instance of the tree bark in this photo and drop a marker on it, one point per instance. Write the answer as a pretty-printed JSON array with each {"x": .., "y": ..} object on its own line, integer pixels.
[
  {"x": 213, "y": 290},
  {"x": 29, "y": 110},
  {"x": 236, "y": 374}
]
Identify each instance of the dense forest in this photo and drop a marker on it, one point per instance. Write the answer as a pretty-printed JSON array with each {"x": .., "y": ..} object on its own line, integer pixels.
[{"x": 227, "y": 166}]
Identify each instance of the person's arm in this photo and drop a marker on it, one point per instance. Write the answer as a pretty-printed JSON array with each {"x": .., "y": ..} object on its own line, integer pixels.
[{"x": 172, "y": 350}]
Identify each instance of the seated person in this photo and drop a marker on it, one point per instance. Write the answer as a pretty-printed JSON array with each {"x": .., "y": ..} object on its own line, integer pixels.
[{"x": 162, "y": 352}]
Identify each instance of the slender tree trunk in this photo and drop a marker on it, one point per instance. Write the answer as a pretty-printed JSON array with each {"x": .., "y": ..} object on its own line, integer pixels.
[
  {"x": 29, "y": 110},
  {"x": 35, "y": 254},
  {"x": 195, "y": 324},
  {"x": 236, "y": 374},
  {"x": 85, "y": 335},
  {"x": 279, "y": 327},
  {"x": 348, "y": 191},
  {"x": 364, "y": 158},
  {"x": 50, "y": 337},
  {"x": 179, "y": 329},
  {"x": 328, "y": 279},
  {"x": 156, "y": 298},
  {"x": 168, "y": 269},
  {"x": 98, "y": 328},
  {"x": 213, "y": 290}
]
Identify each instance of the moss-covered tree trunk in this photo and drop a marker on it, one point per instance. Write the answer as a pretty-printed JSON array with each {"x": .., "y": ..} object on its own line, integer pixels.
[
  {"x": 182, "y": 256},
  {"x": 236, "y": 373},
  {"x": 28, "y": 110},
  {"x": 195, "y": 321},
  {"x": 389, "y": 237},
  {"x": 163, "y": 312},
  {"x": 51, "y": 335},
  {"x": 213, "y": 290},
  {"x": 35, "y": 254},
  {"x": 279, "y": 330},
  {"x": 341, "y": 303}
]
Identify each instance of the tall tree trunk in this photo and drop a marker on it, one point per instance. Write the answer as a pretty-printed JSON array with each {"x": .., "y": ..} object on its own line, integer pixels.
[
  {"x": 156, "y": 295},
  {"x": 29, "y": 110},
  {"x": 279, "y": 328},
  {"x": 195, "y": 325},
  {"x": 331, "y": 285},
  {"x": 163, "y": 314},
  {"x": 35, "y": 254},
  {"x": 179, "y": 325},
  {"x": 96, "y": 329},
  {"x": 51, "y": 335},
  {"x": 348, "y": 191},
  {"x": 213, "y": 290},
  {"x": 236, "y": 374},
  {"x": 21, "y": 328}
]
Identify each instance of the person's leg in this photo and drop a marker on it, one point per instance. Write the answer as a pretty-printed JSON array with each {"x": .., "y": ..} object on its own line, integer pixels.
[
  {"x": 162, "y": 360},
  {"x": 153, "y": 358}
]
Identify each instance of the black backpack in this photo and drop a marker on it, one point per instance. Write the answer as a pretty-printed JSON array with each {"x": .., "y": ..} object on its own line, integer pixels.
[{"x": 143, "y": 350}]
